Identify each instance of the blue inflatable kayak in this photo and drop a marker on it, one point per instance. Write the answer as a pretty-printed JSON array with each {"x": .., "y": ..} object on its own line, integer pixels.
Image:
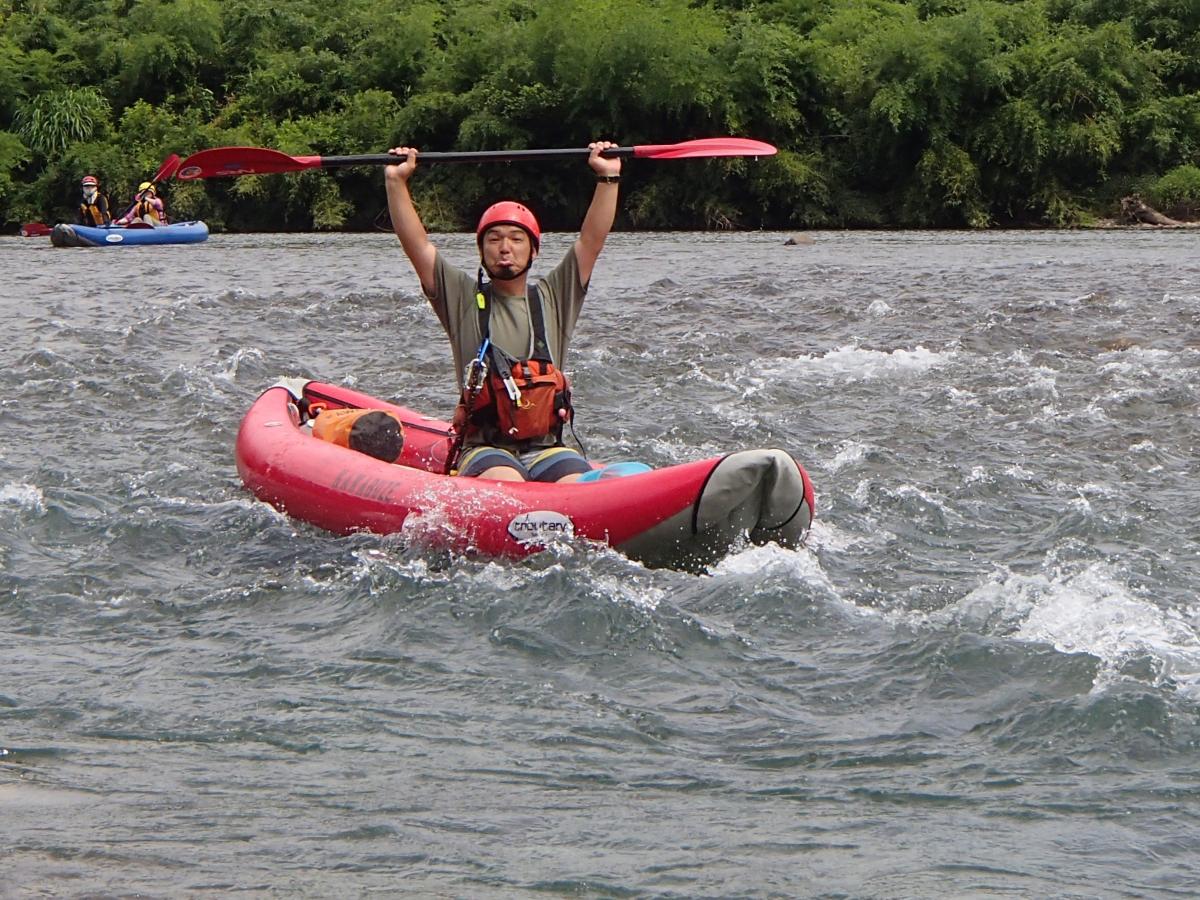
[{"x": 65, "y": 235}]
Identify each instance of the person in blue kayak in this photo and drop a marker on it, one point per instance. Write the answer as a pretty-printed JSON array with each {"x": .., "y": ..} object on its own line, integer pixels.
[
  {"x": 147, "y": 207},
  {"x": 509, "y": 334},
  {"x": 93, "y": 208}
]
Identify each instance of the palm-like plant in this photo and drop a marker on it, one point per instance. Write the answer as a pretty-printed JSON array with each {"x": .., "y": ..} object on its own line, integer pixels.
[{"x": 54, "y": 120}]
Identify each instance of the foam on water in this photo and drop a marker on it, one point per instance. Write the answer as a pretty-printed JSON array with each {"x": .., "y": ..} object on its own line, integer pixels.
[
  {"x": 771, "y": 558},
  {"x": 1089, "y": 611},
  {"x": 23, "y": 496},
  {"x": 850, "y": 363},
  {"x": 827, "y": 535},
  {"x": 850, "y": 453}
]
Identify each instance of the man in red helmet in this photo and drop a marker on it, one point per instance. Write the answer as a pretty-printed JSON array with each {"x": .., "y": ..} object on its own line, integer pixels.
[{"x": 509, "y": 334}]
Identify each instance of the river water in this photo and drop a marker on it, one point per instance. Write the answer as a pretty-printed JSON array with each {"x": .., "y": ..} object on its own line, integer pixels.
[{"x": 980, "y": 678}]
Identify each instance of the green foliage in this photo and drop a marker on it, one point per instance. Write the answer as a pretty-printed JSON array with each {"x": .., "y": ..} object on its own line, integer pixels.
[
  {"x": 770, "y": 80},
  {"x": 1178, "y": 192},
  {"x": 795, "y": 187},
  {"x": 887, "y": 112},
  {"x": 292, "y": 82},
  {"x": 947, "y": 190},
  {"x": 13, "y": 71},
  {"x": 13, "y": 154},
  {"x": 642, "y": 65},
  {"x": 366, "y": 121},
  {"x": 391, "y": 52},
  {"x": 1170, "y": 26},
  {"x": 164, "y": 47},
  {"x": 52, "y": 121},
  {"x": 1165, "y": 129},
  {"x": 329, "y": 210}
]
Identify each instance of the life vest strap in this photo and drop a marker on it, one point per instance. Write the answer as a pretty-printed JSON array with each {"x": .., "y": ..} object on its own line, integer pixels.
[{"x": 537, "y": 318}]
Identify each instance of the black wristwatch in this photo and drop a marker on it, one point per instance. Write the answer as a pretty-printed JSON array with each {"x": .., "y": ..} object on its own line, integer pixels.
[{"x": 608, "y": 179}]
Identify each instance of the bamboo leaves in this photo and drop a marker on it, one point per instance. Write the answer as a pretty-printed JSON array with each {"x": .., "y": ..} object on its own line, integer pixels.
[
  {"x": 54, "y": 120},
  {"x": 893, "y": 112}
]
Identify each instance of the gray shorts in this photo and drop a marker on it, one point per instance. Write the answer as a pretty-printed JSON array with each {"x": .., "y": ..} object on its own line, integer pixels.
[{"x": 542, "y": 464}]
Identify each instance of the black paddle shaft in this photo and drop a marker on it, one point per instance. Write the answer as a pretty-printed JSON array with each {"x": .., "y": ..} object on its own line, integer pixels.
[{"x": 472, "y": 156}]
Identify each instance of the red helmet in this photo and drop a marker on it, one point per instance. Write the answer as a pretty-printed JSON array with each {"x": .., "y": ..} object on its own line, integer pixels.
[
  {"x": 89, "y": 179},
  {"x": 509, "y": 212}
]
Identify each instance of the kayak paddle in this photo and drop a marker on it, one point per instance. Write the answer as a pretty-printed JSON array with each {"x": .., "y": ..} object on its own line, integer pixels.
[
  {"x": 227, "y": 161},
  {"x": 35, "y": 229},
  {"x": 168, "y": 168}
]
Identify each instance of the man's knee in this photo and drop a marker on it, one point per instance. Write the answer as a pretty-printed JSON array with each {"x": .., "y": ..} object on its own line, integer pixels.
[
  {"x": 557, "y": 463},
  {"x": 494, "y": 463},
  {"x": 501, "y": 473}
]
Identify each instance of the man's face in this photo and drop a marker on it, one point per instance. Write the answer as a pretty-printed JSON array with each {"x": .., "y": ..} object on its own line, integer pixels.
[{"x": 507, "y": 251}]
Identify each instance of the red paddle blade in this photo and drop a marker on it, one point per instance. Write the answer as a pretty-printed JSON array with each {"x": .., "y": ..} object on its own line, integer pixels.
[
  {"x": 35, "y": 229},
  {"x": 723, "y": 146},
  {"x": 167, "y": 169},
  {"x": 228, "y": 161}
]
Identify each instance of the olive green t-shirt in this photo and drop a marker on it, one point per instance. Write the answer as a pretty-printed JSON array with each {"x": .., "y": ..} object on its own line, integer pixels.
[{"x": 509, "y": 322}]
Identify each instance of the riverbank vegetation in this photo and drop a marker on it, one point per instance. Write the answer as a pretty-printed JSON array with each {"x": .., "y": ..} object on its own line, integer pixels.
[{"x": 928, "y": 113}]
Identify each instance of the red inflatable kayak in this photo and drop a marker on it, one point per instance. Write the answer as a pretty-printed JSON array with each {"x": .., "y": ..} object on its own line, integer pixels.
[{"x": 684, "y": 516}]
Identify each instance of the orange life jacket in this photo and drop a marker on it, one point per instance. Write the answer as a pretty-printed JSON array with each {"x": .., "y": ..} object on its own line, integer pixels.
[
  {"x": 94, "y": 213},
  {"x": 144, "y": 210},
  {"x": 517, "y": 399}
]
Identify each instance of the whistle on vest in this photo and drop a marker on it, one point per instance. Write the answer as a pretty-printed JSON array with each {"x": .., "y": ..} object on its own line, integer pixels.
[
  {"x": 504, "y": 370},
  {"x": 514, "y": 395},
  {"x": 514, "y": 392}
]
